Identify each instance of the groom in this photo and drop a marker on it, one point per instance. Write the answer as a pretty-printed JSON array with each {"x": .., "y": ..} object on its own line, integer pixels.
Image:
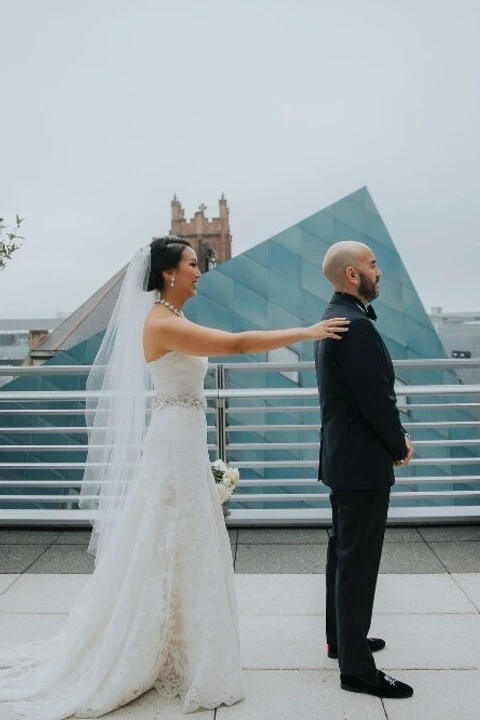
[{"x": 361, "y": 441}]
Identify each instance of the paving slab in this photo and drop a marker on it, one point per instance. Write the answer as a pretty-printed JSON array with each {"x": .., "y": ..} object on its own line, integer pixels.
[
  {"x": 18, "y": 558},
  {"x": 458, "y": 557},
  {"x": 153, "y": 706},
  {"x": 233, "y": 535},
  {"x": 282, "y": 536},
  {"x": 284, "y": 642},
  {"x": 306, "y": 695},
  {"x": 438, "y": 695},
  {"x": 293, "y": 642},
  {"x": 280, "y": 594},
  {"x": 437, "y": 594},
  {"x": 402, "y": 535},
  {"x": 28, "y": 537},
  {"x": 470, "y": 584},
  {"x": 34, "y": 593},
  {"x": 150, "y": 706},
  {"x": 25, "y": 628},
  {"x": 74, "y": 537},
  {"x": 295, "y": 594},
  {"x": 450, "y": 534},
  {"x": 289, "y": 594},
  {"x": 429, "y": 642},
  {"x": 278, "y": 559},
  {"x": 6, "y": 581},
  {"x": 64, "y": 559},
  {"x": 412, "y": 558}
]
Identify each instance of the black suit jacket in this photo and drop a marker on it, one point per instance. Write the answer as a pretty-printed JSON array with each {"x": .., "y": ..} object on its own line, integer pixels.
[{"x": 361, "y": 433}]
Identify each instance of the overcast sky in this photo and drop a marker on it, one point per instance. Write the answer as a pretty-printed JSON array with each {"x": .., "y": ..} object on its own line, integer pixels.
[{"x": 108, "y": 107}]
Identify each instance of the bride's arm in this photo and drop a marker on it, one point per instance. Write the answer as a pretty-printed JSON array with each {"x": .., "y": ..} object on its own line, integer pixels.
[{"x": 189, "y": 338}]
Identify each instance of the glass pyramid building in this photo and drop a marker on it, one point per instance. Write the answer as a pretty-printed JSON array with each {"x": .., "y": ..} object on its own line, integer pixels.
[{"x": 276, "y": 284}]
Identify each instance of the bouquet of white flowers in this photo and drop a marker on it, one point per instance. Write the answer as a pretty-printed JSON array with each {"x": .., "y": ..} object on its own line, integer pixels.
[{"x": 227, "y": 478}]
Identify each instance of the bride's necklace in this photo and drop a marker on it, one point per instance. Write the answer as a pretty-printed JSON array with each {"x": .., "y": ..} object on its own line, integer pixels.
[{"x": 160, "y": 301}]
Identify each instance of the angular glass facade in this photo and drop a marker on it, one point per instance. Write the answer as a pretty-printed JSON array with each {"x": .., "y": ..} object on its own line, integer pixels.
[{"x": 278, "y": 284}]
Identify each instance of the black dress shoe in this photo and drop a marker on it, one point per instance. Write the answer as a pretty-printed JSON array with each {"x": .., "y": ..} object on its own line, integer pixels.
[
  {"x": 385, "y": 687},
  {"x": 375, "y": 644}
]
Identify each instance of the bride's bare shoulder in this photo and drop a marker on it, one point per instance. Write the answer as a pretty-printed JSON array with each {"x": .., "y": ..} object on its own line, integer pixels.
[
  {"x": 156, "y": 325},
  {"x": 158, "y": 318}
]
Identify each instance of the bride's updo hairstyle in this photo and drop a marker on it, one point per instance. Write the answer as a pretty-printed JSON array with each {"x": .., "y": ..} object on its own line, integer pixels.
[{"x": 165, "y": 254}]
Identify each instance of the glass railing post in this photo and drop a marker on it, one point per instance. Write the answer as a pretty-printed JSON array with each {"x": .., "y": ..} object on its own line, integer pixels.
[{"x": 221, "y": 415}]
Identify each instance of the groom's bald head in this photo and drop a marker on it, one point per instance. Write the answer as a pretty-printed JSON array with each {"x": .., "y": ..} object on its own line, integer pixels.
[
  {"x": 342, "y": 255},
  {"x": 348, "y": 265}
]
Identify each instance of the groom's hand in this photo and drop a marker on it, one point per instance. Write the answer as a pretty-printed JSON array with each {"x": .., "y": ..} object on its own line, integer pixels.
[{"x": 409, "y": 455}]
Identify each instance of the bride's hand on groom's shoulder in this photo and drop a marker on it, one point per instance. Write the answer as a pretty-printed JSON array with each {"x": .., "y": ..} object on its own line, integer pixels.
[{"x": 328, "y": 329}]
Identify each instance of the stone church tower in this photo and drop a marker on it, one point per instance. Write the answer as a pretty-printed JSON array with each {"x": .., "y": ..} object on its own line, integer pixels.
[{"x": 211, "y": 239}]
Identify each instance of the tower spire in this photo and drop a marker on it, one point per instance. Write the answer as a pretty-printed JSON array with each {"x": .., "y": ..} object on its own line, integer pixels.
[{"x": 210, "y": 238}]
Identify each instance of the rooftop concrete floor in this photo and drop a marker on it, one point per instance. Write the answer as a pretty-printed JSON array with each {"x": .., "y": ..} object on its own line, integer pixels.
[{"x": 427, "y": 609}]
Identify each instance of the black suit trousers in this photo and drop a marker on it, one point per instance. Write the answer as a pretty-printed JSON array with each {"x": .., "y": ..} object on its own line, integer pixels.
[{"x": 353, "y": 560}]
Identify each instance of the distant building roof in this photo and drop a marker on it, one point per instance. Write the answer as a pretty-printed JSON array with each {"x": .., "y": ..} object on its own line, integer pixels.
[
  {"x": 90, "y": 318},
  {"x": 26, "y": 324}
]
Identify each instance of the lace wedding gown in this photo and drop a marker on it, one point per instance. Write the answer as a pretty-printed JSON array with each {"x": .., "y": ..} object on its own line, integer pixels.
[{"x": 159, "y": 610}]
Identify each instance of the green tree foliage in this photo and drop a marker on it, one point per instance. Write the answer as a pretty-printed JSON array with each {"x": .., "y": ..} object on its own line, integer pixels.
[{"x": 10, "y": 240}]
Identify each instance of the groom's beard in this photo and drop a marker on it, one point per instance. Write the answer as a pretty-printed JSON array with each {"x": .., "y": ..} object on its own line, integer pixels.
[{"x": 368, "y": 289}]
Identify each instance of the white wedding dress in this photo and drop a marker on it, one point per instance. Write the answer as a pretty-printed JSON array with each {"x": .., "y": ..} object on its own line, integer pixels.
[{"x": 159, "y": 610}]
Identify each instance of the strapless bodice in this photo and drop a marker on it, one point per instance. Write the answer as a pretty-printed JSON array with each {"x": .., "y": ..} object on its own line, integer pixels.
[{"x": 178, "y": 380}]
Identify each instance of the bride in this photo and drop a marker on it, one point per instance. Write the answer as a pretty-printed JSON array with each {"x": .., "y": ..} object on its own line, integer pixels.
[{"x": 159, "y": 611}]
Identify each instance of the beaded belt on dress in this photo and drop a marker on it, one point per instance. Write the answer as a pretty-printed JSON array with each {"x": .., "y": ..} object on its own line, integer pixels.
[{"x": 186, "y": 401}]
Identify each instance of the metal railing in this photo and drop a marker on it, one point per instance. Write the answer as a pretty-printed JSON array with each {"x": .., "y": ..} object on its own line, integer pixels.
[{"x": 269, "y": 433}]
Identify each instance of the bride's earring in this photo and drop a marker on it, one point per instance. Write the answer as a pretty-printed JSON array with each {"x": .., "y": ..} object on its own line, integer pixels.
[{"x": 172, "y": 281}]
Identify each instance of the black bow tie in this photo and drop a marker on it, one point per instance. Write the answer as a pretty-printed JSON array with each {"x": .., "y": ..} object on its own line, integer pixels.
[{"x": 370, "y": 312}]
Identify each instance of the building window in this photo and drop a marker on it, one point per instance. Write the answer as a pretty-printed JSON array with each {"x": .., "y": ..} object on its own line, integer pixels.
[
  {"x": 210, "y": 261},
  {"x": 288, "y": 356},
  {"x": 8, "y": 340}
]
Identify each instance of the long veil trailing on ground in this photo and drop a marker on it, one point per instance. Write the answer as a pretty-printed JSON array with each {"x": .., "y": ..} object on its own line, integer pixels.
[{"x": 118, "y": 401}]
